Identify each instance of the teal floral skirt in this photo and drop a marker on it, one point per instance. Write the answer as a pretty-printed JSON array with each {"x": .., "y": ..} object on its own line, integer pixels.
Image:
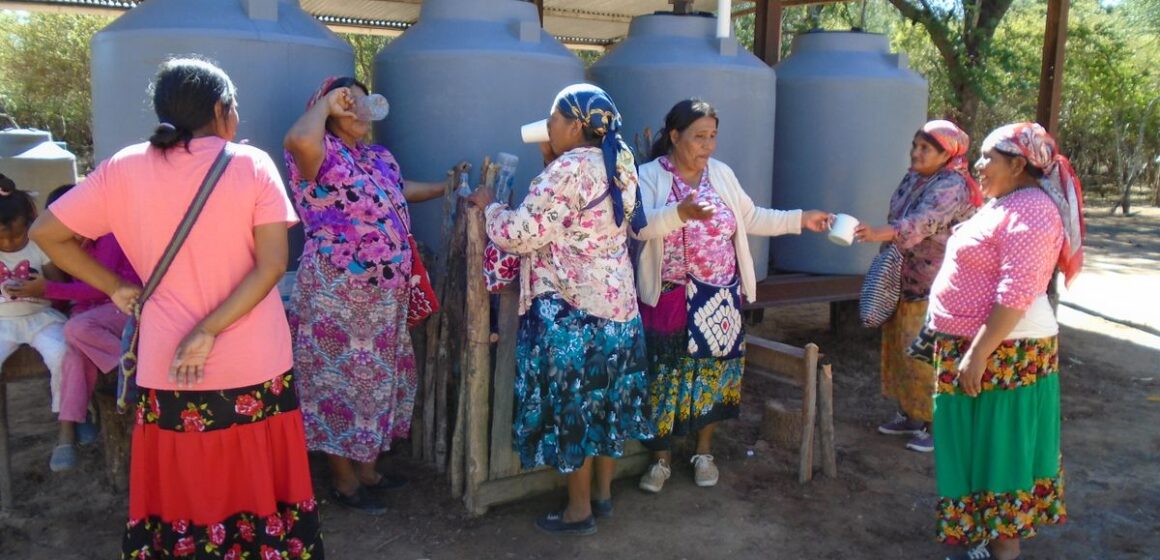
[{"x": 580, "y": 389}]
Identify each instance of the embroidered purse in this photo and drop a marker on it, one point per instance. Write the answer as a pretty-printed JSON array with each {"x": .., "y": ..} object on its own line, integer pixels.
[
  {"x": 881, "y": 288},
  {"x": 422, "y": 300},
  {"x": 126, "y": 378},
  {"x": 713, "y": 315},
  {"x": 922, "y": 347}
]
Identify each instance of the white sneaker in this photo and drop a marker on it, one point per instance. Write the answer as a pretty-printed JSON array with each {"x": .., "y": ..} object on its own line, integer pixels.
[
  {"x": 704, "y": 470},
  {"x": 655, "y": 478}
]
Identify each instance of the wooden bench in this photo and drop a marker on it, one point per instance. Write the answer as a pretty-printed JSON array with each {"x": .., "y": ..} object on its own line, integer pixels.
[
  {"x": 799, "y": 367},
  {"x": 26, "y": 363}
]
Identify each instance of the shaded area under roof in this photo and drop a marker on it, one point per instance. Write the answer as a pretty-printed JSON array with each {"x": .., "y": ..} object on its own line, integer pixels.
[{"x": 577, "y": 22}]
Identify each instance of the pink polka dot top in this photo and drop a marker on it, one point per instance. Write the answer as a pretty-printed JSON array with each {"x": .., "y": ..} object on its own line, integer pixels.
[{"x": 1003, "y": 255}]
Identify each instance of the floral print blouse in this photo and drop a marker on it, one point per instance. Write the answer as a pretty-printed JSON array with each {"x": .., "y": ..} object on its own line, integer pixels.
[
  {"x": 710, "y": 252},
  {"x": 923, "y": 210},
  {"x": 354, "y": 212},
  {"x": 569, "y": 240}
]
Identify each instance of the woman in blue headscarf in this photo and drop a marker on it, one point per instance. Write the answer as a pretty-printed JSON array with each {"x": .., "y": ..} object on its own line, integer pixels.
[{"x": 580, "y": 392}]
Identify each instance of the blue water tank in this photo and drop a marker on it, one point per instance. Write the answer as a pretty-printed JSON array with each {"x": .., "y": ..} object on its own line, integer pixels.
[
  {"x": 847, "y": 110},
  {"x": 276, "y": 54},
  {"x": 667, "y": 58},
  {"x": 460, "y": 82}
]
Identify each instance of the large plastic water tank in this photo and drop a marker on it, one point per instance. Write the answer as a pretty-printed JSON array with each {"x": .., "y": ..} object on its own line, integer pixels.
[
  {"x": 461, "y": 81},
  {"x": 847, "y": 110},
  {"x": 667, "y": 58},
  {"x": 41, "y": 169},
  {"x": 276, "y": 54}
]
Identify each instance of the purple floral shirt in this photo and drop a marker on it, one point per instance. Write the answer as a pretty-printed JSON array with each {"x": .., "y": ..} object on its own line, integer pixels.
[
  {"x": 923, "y": 210},
  {"x": 354, "y": 212},
  {"x": 710, "y": 252}
]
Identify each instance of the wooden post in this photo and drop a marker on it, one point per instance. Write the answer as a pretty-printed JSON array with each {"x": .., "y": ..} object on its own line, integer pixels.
[
  {"x": 826, "y": 411},
  {"x": 767, "y": 31},
  {"x": 477, "y": 373},
  {"x": 503, "y": 459},
  {"x": 1051, "y": 74},
  {"x": 809, "y": 412}
]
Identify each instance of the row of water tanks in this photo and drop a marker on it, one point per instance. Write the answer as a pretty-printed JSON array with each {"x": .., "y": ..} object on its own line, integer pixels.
[{"x": 469, "y": 72}]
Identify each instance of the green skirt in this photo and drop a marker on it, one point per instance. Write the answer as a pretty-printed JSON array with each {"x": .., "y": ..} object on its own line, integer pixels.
[{"x": 997, "y": 459}]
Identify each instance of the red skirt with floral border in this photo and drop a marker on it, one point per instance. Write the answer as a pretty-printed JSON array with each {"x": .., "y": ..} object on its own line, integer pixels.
[{"x": 221, "y": 474}]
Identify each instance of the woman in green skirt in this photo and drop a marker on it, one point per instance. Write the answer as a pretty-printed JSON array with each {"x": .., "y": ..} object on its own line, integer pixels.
[{"x": 996, "y": 404}]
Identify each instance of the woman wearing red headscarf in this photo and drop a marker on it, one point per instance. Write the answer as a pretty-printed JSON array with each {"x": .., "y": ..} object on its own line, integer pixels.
[
  {"x": 996, "y": 406},
  {"x": 935, "y": 194}
]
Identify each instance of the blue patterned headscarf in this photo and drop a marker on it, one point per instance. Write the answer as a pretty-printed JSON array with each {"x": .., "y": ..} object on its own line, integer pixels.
[{"x": 595, "y": 110}]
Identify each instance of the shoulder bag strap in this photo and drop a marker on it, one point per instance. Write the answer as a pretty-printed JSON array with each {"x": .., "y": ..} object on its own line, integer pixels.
[{"x": 186, "y": 225}]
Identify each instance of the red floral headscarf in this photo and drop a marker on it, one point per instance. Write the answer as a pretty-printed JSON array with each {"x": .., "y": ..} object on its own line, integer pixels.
[
  {"x": 322, "y": 90},
  {"x": 955, "y": 142},
  {"x": 1059, "y": 181}
]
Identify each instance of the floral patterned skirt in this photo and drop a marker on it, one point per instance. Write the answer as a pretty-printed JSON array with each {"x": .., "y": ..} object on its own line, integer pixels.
[
  {"x": 997, "y": 458},
  {"x": 580, "y": 390},
  {"x": 904, "y": 379},
  {"x": 685, "y": 393},
  {"x": 353, "y": 360},
  {"x": 221, "y": 474}
]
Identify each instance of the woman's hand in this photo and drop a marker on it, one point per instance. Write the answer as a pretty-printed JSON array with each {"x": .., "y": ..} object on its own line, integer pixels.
[
  {"x": 125, "y": 297},
  {"x": 692, "y": 209},
  {"x": 31, "y": 288},
  {"x": 482, "y": 196},
  {"x": 546, "y": 151},
  {"x": 817, "y": 221},
  {"x": 971, "y": 370},
  {"x": 188, "y": 367},
  {"x": 869, "y": 234},
  {"x": 339, "y": 103}
]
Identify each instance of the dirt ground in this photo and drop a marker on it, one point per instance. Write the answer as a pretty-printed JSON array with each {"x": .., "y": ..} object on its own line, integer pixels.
[{"x": 879, "y": 506}]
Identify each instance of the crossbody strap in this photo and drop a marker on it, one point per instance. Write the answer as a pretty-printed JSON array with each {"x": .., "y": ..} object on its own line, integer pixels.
[{"x": 186, "y": 225}]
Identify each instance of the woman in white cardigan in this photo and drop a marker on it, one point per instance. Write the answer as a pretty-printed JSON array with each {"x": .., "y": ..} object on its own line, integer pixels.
[{"x": 698, "y": 219}]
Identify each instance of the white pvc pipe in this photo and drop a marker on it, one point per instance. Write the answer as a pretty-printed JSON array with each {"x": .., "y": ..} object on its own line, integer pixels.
[{"x": 724, "y": 18}]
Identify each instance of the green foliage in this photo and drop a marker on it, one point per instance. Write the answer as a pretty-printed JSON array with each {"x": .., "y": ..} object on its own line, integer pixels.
[
  {"x": 366, "y": 47},
  {"x": 44, "y": 74}
]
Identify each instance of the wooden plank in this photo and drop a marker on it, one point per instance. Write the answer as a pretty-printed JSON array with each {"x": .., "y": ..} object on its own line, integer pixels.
[
  {"x": 774, "y": 291},
  {"x": 1051, "y": 71},
  {"x": 531, "y": 483},
  {"x": 809, "y": 412},
  {"x": 504, "y": 461},
  {"x": 477, "y": 374},
  {"x": 775, "y": 357},
  {"x": 826, "y": 419}
]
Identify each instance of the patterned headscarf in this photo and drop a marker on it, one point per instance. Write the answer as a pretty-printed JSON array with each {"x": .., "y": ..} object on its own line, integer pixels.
[
  {"x": 955, "y": 143},
  {"x": 1059, "y": 181},
  {"x": 596, "y": 112},
  {"x": 322, "y": 91}
]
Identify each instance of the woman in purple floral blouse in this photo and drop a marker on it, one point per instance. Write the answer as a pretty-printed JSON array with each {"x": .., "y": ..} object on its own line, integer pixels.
[
  {"x": 935, "y": 195},
  {"x": 348, "y": 311}
]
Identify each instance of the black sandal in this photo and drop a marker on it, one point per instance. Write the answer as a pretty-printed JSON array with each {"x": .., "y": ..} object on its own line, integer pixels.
[
  {"x": 387, "y": 482},
  {"x": 554, "y": 524},
  {"x": 361, "y": 501}
]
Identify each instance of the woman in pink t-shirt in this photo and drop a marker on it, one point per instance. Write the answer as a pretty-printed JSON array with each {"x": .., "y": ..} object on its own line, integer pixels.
[
  {"x": 219, "y": 454},
  {"x": 996, "y": 350}
]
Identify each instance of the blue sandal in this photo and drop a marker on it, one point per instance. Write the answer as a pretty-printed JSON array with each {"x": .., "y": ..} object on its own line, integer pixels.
[{"x": 554, "y": 524}]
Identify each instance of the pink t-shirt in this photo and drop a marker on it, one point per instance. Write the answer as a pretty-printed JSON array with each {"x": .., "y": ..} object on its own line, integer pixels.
[
  {"x": 1003, "y": 255},
  {"x": 140, "y": 195}
]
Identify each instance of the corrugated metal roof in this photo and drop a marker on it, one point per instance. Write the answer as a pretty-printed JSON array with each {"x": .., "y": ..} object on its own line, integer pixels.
[{"x": 581, "y": 21}]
